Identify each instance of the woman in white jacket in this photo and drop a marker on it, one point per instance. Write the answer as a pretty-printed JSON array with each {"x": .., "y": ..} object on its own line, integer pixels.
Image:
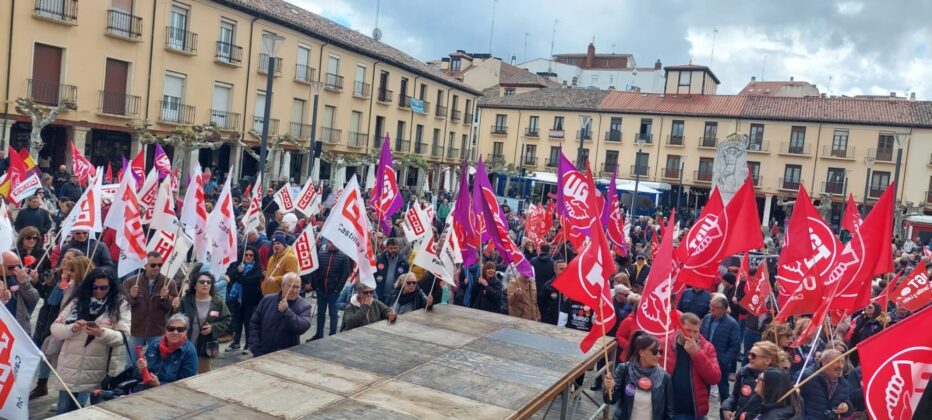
[{"x": 91, "y": 324}]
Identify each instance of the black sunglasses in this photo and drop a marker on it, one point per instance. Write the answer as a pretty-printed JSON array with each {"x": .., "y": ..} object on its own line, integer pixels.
[
  {"x": 656, "y": 351},
  {"x": 155, "y": 265},
  {"x": 103, "y": 288},
  {"x": 176, "y": 329},
  {"x": 204, "y": 282}
]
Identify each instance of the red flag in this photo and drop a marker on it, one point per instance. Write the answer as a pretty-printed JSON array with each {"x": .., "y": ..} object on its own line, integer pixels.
[
  {"x": 756, "y": 300},
  {"x": 805, "y": 299},
  {"x": 852, "y": 219},
  {"x": 702, "y": 241},
  {"x": 896, "y": 366},
  {"x": 138, "y": 168},
  {"x": 653, "y": 314},
  {"x": 817, "y": 319},
  {"x": 654, "y": 244},
  {"x": 744, "y": 228},
  {"x": 82, "y": 167},
  {"x": 744, "y": 271},
  {"x": 108, "y": 176},
  {"x": 914, "y": 292}
]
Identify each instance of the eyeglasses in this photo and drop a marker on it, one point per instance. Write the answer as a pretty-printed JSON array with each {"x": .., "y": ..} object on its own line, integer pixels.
[
  {"x": 656, "y": 351},
  {"x": 248, "y": 255},
  {"x": 30, "y": 238},
  {"x": 155, "y": 265},
  {"x": 410, "y": 282},
  {"x": 368, "y": 292},
  {"x": 176, "y": 329},
  {"x": 103, "y": 288},
  {"x": 10, "y": 268},
  {"x": 752, "y": 356},
  {"x": 204, "y": 282}
]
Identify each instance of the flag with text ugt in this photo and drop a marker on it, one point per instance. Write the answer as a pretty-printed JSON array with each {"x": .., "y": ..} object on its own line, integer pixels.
[
  {"x": 19, "y": 359},
  {"x": 758, "y": 288},
  {"x": 385, "y": 199},
  {"x": 348, "y": 229},
  {"x": 852, "y": 219},
  {"x": 495, "y": 224},
  {"x": 462, "y": 220},
  {"x": 896, "y": 367},
  {"x": 914, "y": 292}
]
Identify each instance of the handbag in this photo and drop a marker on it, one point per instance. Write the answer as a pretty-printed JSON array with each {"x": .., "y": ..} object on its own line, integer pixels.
[
  {"x": 207, "y": 345},
  {"x": 110, "y": 382}
]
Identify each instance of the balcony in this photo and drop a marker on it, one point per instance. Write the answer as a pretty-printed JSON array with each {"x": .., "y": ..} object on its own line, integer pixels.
[
  {"x": 50, "y": 93},
  {"x": 875, "y": 191},
  {"x": 532, "y": 132},
  {"x": 224, "y": 120},
  {"x": 496, "y": 157},
  {"x": 708, "y": 142},
  {"x": 118, "y": 103},
  {"x": 456, "y": 115},
  {"x": 173, "y": 111},
  {"x": 180, "y": 40},
  {"x": 440, "y": 112},
  {"x": 703, "y": 176},
  {"x": 529, "y": 161},
  {"x": 330, "y": 135},
  {"x": 639, "y": 170},
  {"x": 759, "y": 147},
  {"x": 676, "y": 141},
  {"x": 468, "y": 118},
  {"x": 556, "y": 133},
  {"x": 553, "y": 162},
  {"x": 257, "y": 125},
  {"x": 757, "y": 180},
  {"x": 361, "y": 90},
  {"x": 304, "y": 74},
  {"x": 928, "y": 197},
  {"x": 833, "y": 187},
  {"x": 584, "y": 135},
  {"x": 795, "y": 149},
  {"x": 334, "y": 82},
  {"x": 357, "y": 140},
  {"x": 613, "y": 135},
  {"x": 124, "y": 25},
  {"x": 231, "y": 54},
  {"x": 300, "y": 130},
  {"x": 499, "y": 129},
  {"x": 404, "y": 101},
  {"x": 885, "y": 155},
  {"x": 264, "y": 65},
  {"x": 402, "y": 145},
  {"x": 789, "y": 184},
  {"x": 61, "y": 11},
  {"x": 670, "y": 173},
  {"x": 647, "y": 138},
  {"x": 831, "y": 153},
  {"x": 609, "y": 167},
  {"x": 453, "y": 153},
  {"x": 385, "y": 96},
  {"x": 436, "y": 151},
  {"x": 420, "y": 148}
]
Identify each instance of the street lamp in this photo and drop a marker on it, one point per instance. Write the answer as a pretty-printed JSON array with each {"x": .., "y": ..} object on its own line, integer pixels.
[
  {"x": 901, "y": 139},
  {"x": 270, "y": 45},
  {"x": 313, "y": 153},
  {"x": 585, "y": 123},
  {"x": 637, "y": 171},
  {"x": 869, "y": 162}
]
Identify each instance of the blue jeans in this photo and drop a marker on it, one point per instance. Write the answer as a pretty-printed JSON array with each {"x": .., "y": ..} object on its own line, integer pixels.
[
  {"x": 66, "y": 405},
  {"x": 326, "y": 302},
  {"x": 44, "y": 370},
  {"x": 145, "y": 342}
]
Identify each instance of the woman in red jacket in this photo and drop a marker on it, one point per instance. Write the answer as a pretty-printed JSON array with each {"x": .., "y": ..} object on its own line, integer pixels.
[{"x": 627, "y": 327}]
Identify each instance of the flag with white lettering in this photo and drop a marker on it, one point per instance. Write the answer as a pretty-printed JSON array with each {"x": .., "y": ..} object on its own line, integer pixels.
[
  {"x": 176, "y": 259},
  {"x": 19, "y": 359},
  {"x": 221, "y": 230},
  {"x": 147, "y": 196}
]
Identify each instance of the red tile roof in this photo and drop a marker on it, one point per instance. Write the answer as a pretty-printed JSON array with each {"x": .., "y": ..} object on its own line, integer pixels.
[
  {"x": 652, "y": 103},
  {"x": 771, "y": 88}
]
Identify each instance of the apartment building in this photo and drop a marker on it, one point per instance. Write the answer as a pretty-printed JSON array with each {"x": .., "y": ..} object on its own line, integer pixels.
[
  {"x": 179, "y": 63},
  {"x": 832, "y": 146}
]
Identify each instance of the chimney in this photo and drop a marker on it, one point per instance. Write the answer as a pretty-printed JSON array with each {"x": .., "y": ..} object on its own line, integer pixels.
[
  {"x": 753, "y": 78},
  {"x": 657, "y": 65},
  {"x": 514, "y": 60},
  {"x": 893, "y": 94},
  {"x": 590, "y": 56},
  {"x": 791, "y": 78},
  {"x": 912, "y": 96}
]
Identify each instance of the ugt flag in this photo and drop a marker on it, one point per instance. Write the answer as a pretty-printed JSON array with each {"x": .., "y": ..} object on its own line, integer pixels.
[{"x": 19, "y": 359}]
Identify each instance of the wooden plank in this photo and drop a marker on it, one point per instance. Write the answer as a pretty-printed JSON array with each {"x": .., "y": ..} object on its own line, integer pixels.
[
  {"x": 518, "y": 353},
  {"x": 471, "y": 385},
  {"x": 537, "y": 377},
  {"x": 163, "y": 402},
  {"x": 350, "y": 409},
  {"x": 421, "y": 402},
  {"x": 90, "y": 413},
  {"x": 429, "y": 333},
  {"x": 339, "y": 379},
  {"x": 539, "y": 341},
  {"x": 452, "y": 321},
  {"x": 264, "y": 393},
  {"x": 372, "y": 350},
  {"x": 228, "y": 411}
]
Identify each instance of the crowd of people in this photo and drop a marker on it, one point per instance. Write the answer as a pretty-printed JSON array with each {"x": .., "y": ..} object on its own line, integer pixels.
[{"x": 91, "y": 322}]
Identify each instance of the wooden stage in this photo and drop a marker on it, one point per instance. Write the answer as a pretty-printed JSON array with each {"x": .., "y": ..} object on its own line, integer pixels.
[{"x": 452, "y": 362}]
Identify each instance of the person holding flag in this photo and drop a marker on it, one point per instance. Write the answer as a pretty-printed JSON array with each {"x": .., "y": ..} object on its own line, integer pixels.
[{"x": 328, "y": 281}]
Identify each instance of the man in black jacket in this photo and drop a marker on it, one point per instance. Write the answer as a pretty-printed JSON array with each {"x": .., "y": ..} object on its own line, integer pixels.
[
  {"x": 638, "y": 272},
  {"x": 91, "y": 247},
  {"x": 280, "y": 319},
  {"x": 34, "y": 216},
  {"x": 71, "y": 190},
  {"x": 328, "y": 281}
]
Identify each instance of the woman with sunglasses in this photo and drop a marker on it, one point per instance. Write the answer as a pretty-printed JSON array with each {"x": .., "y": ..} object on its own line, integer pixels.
[
  {"x": 209, "y": 317},
  {"x": 81, "y": 239},
  {"x": 245, "y": 279},
  {"x": 408, "y": 297},
  {"x": 30, "y": 249},
  {"x": 642, "y": 389},
  {"x": 93, "y": 324},
  {"x": 173, "y": 359},
  {"x": 770, "y": 386},
  {"x": 763, "y": 355}
]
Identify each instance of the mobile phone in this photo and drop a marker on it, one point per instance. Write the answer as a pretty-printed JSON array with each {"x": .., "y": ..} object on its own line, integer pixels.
[{"x": 91, "y": 323}]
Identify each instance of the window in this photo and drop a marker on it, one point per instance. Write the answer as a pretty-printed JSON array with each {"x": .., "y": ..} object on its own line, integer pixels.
[
  {"x": 359, "y": 88},
  {"x": 418, "y": 138},
  {"x": 298, "y": 109},
  {"x": 334, "y": 80},
  {"x": 328, "y": 134},
  {"x": 436, "y": 137},
  {"x": 225, "y": 44},
  {"x": 791, "y": 176},
  {"x": 533, "y": 125},
  {"x": 885, "y": 147},
  {"x": 583, "y": 156},
  {"x": 530, "y": 154},
  {"x": 257, "y": 118},
  {"x": 355, "y": 121},
  {"x": 611, "y": 161},
  {"x": 173, "y": 97},
  {"x": 673, "y": 167},
  {"x": 797, "y": 140},
  {"x": 501, "y": 123},
  {"x": 455, "y": 64},
  {"x": 400, "y": 130},
  {"x": 509, "y": 91},
  {"x": 575, "y": 80},
  {"x": 45, "y": 86},
  {"x": 403, "y": 88},
  {"x": 641, "y": 161},
  {"x": 423, "y": 95},
  {"x": 879, "y": 183},
  {"x": 595, "y": 79},
  {"x": 684, "y": 78},
  {"x": 705, "y": 169},
  {"x": 303, "y": 68},
  {"x": 178, "y": 27},
  {"x": 835, "y": 181},
  {"x": 558, "y": 123},
  {"x": 455, "y": 103},
  {"x": 710, "y": 134},
  {"x": 756, "y": 137},
  {"x": 114, "y": 99},
  {"x": 754, "y": 168},
  {"x": 554, "y": 157},
  {"x": 647, "y": 125},
  {"x": 840, "y": 143},
  {"x": 676, "y": 132},
  {"x": 614, "y": 129},
  {"x": 220, "y": 114}
]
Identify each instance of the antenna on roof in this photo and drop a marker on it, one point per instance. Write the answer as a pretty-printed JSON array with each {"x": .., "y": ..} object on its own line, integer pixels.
[
  {"x": 762, "y": 68},
  {"x": 376, "y": 32},
  {"x": 552, "y": 40},
  {"x": 712, "y": 54}
]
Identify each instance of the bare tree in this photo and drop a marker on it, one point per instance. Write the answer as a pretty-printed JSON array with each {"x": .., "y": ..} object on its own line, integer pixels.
[
  {"x": 276, "y": 144},
  {"x": 41, "y": 116},
  {"x": 186, "y": 139}
]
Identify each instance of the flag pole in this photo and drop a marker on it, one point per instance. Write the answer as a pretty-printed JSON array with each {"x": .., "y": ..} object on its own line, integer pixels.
[
  {"x": 608, "y": 373},
  {"x": 816, "y": 373},
  {"x": 62, "y": 382},
  {"x": 815, "y": 342}
]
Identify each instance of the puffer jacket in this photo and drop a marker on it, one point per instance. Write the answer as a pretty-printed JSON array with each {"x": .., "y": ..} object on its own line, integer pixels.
[
  {"x": 180, "y": 364},
  {"x": 727, "y": 340},
  {"x": 83, "y": 365},
  {"x": 279, "y": 264},
  {"x": 817, "y": 400},
  {"x": 522, "y": 299},
  {"x": 705, "y": 372},
  {"x": 742, "y": 391},
  {"x": 271, "y": 330}
]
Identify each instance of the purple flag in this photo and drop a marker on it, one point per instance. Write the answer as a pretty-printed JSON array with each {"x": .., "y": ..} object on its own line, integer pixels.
[
  {"x": 610, "y": 194},
  {"x": 385, "y": 197},
  {"x": 161, "y": 162},
  {"x": 495, "y": 225},
  {"x": 463, "y": 222}
]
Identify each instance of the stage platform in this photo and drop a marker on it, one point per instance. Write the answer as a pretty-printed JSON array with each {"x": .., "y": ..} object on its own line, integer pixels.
[{"x": 453, "y": 363}]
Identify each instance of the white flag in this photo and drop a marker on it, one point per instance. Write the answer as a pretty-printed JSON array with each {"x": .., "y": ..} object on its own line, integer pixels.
[
  {"x": 308, "y": 200},
  {"x": 415, "y": 223},
  {"x": 163, "y": 215},
  {"x": 125, "y": 219},
  {"x": 284, "y": 199},
  {"x": 348, "y": 229},
  {"x": 428, "y": 258},
  {"x": 305, "y": 248},
  {"x": 221, "y": 230},
  {"x": 148, "y": 194},
  {"x": 252, "y": 219},
  {"x": 85, "y": 215},
  {"x": 6, "y": 228},
  {"x": 194, "y": 214},
  {"x": 176, "y": 258},
  {"x": 19, "y": 359}
]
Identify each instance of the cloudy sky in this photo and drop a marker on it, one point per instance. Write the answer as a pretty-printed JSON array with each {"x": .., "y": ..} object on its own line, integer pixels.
[{"x": 845, "y": 47}]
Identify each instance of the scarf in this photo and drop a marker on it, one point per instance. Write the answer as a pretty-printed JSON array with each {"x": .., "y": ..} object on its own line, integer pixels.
[
  {"x": 636, "y": 372},
  {"x": 95, "y": 309},
  {"x": 166, "y": 349}
]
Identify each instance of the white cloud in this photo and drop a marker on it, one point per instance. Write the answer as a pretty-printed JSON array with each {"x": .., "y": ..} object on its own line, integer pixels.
[{"x": 849, "y": 8}]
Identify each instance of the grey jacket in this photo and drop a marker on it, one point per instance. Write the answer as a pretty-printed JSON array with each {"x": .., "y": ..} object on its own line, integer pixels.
[
  {"x": 356, "y": 315},
  {"x": 26, "y": 299}
]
